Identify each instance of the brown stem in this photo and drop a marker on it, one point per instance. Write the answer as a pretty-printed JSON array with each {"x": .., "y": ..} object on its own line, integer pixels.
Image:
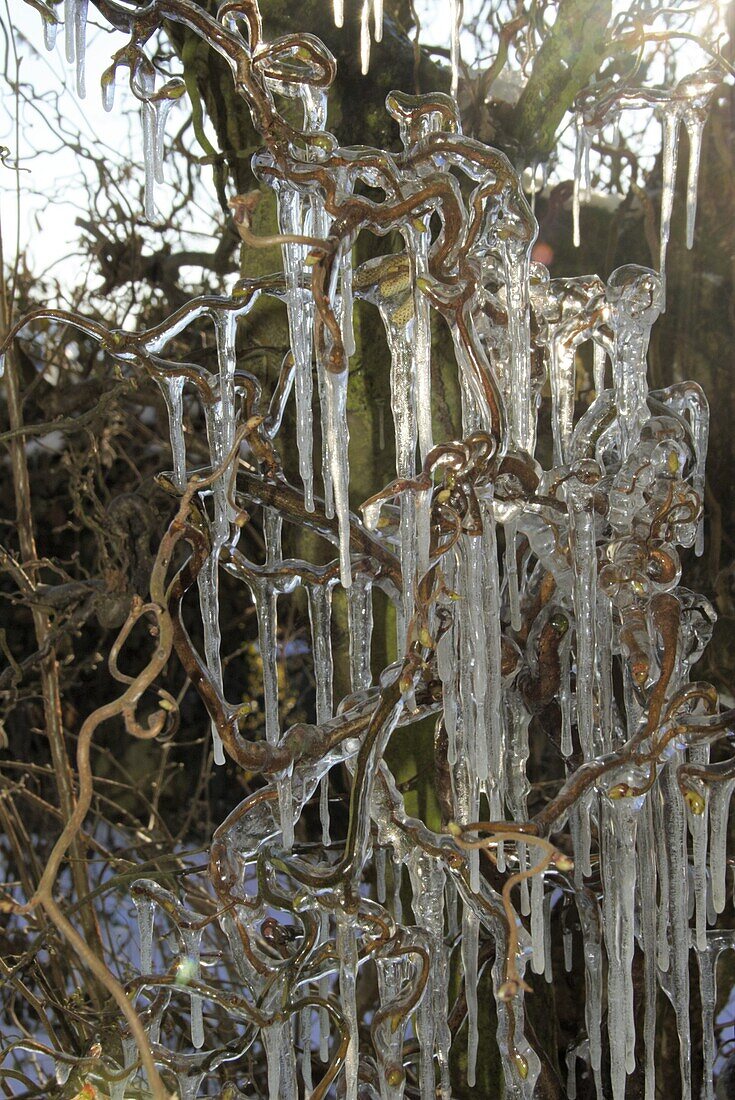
[{"x": 49, "y": 667}]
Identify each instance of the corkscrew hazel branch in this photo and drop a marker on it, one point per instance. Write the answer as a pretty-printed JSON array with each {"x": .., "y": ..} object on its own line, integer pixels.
[{"x": 500, "y": 832}]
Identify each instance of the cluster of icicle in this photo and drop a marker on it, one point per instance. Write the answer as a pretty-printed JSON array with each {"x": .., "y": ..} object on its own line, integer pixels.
[
  {"x": 687, "y": 103},
  {"x": 155, "y": 103},
  {"x": 522, "y": 594},
  {"x": 374, "y": 9}
]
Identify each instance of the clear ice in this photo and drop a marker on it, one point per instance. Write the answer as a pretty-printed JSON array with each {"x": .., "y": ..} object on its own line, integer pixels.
[{"x": 520, "y": 593}]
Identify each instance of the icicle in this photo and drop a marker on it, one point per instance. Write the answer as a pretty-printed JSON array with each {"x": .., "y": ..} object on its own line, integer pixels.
[
  {"x": 360, "y": 618},
  {"x": 518, "y": 786},
  {"x": 636, "y": 298},
  {"x": 209, "y": 603},
  {"x": 188, "y": 1085},
  {"x": 475, "y": 413},
  {"x": 604, "y": 649},
  {"x": 162, "y": 109},
  {"x": 694, "y": 124},
  {"x": 427, "y": 881},
  {"x": 220, "y": 419},
  {"x": 530, "y": 182},
  {"x": 408, "y": 565},
  {"x": 378, "y": 19},
  {"x": 663, "y": 953},
  {"x": 467, "y": 726},
  {"x": 337, "y": 432},
  {"x": 646, "y": 856},
  {"x": 600, "y": 361},
  {"x": 578, "y": 153},
  {"x": 700, "y": 428},
  {"x": 566, "y": 700},
  {"x": 324, "y": 993},
  {"x": 144, "y": 910},
  {"x": 279, "y": 1049},
  {"x": 265, "y": 598},
  {"x": 447, "y": 668},
  {"x": 148, "y": 122},
  {"x": 670, "y": 126},
  {"x": 286, "y": 808},
  {"x": 511, "y": 573},
  {"x": 454, "y": 44},
  {"x": 618, "y": 836},
  {"x": 451, "y": 909},
  {"x": 443, "y": 1036},
  {"x": 300, "y": 307},
  {"x": 380, "y": 861},
  {"x": 496, "y": 737},
  {"x": 346, "y": 300},
  {"x": 548, "y": 961},
  {"x": 579, "y": 822},
  {"x": 75, "y": 34},
  {"x": 473, "y": 655},
  {"x": 192, "y": 938},
  {"x": 707, "y": 997},
  {"x": 402, "y": 388},
  {"x": 417, "y": 242},
  {"x": 699, "y": 754},
  {"x": 320, "y": 616},
  {"x": 674, "y": 843},
  {"x": 154, "y": 111},
  {"x": 80, "y": 46},
  {"x": 305, "y": 1037},
  {"x": 707, "y": 959},
  {"x": 568, "y": 946},
  {"x": 397, "y": 868},
  {"x": 582, "y": 537},
  {"x": 338, "y": 10},
  {"x": 423, "y": 531},
  {"x": 71, "y": 9},
  {"x": 711, "y": 915},
  {"x": 50, "y": 30},
  {"x": 587, "y": 175},
  {"x": 172, "y": 389},
  {"x": 688, "y": 399},
  {"x": 538, "y": 962},
  {"x": 571, "y": 1058},
  {"x": 562, "y": 376},
  {"x": 522, "y": 419},
  {"x": 225, "y": 330},
  {"x": 129, "y": 1059},
  {"x": 719, "y": 812},
  {"x": 389, "y": 1035},
  {"x": 469, "y": 950},
  {"x": 365, "y": 38},
  {"x": 326, "y": 454},
  {"x": 347, "y": 955},
  {"x": 517, "y": 720},
  {"x": 590, "y": 924},
  {"x": 107, "y": 85}
]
